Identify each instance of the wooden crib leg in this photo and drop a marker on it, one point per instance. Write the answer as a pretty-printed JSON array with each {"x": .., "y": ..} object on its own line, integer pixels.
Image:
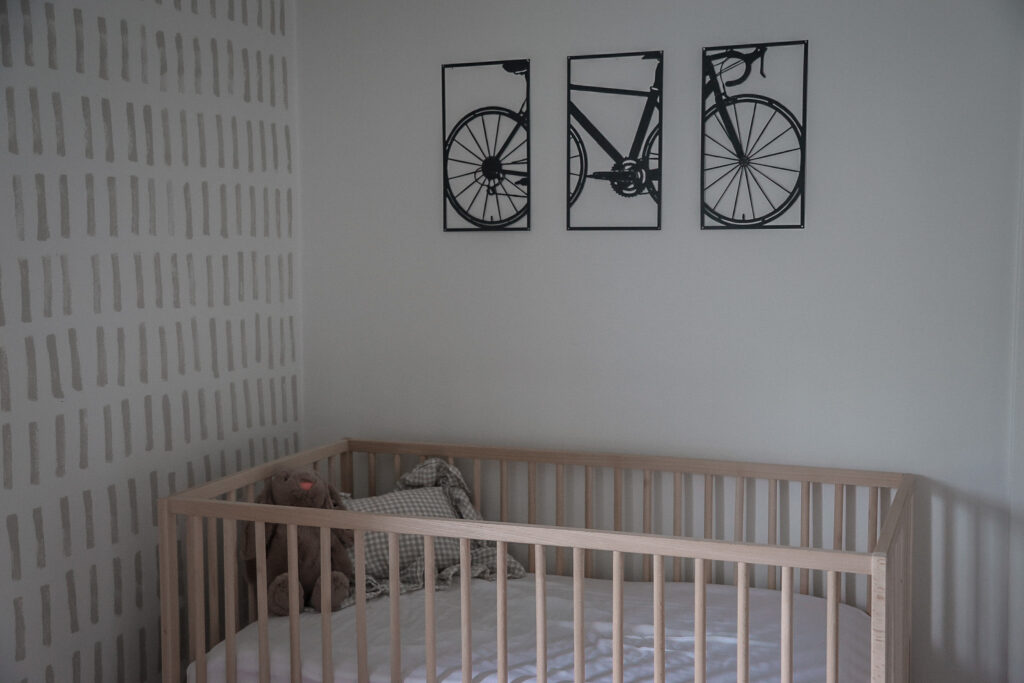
[
  {"x": 659, "y": 619},
  {"x": 786, "y": 656},
  {"x": 502, "y": 611},
  {"x": 395, "y": 588},
  {"x": 429, "y": 578},
  {"x": 540, "y": 588},
  {"x": 578, "y": 569},
  {"x": 326, "y": 588},
  {"x": 359, "y": 550},
  {"x": 467, "y": 613},
  {"x": 700, "y": 629}
]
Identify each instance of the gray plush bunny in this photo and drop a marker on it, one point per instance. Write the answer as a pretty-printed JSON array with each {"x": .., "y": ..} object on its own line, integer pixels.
[{"x": 302, "y": 488}]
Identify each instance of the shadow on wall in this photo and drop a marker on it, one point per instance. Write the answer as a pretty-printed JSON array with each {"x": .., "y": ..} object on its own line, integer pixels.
[{"x": 961, "y": 572}]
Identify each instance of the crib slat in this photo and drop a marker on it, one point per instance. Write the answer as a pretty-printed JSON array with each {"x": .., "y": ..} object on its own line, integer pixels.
[
  {"x": 330, "y": 471},
  {"x": 578, "y": 664},
  {"x": 742, "y": 622},
  {"x": 832, "y": 629},
  {"x": 429, "y": 578},
  {"x": 659, "y": 619},
  {"x": 213, "y": 585},
  {"x": 394, "y": 589},
  {"x": 786, "y": 655},
  {"x": 502, "y": 611},
  {"x": 588, "y": 514},
  {"x": 709, "y": 511},
  {"x": 541, "y": 596},
  {"x": 348, "y": 474},
  {"x": 647, "y": 521},
  {"x": 677, "y": 521},
  {"x": 195, "y": 591},
  {"x": 773, "y": 524},
  {"x": 805, "y": 531},
  {"x": 837, "y": 530},
  {"x": 560, "y": 516},
  {"x": 700, "y": 630},
  {"x": 617, "y": 607},
  {"x": 170, "y": 645},
  {"x": 467, "y": 612},
  {"x": 261, "y": 601},
  {"x": 531, "y": 497},
  {"x": 872, "y": 532},
  {"x": 504, "y": 490},
  {"x": 397, "y": 465},
  {"x": 477, "y": 482},
  {"x": 326, "y": 598},
  {"x": 741, "y": 488},
  {"x": 294, "y": 602},
  {"x": 618, "y": 499},
  {"x": 250, "y": 496},
  {"x": 230, "y": 542},
  {"x": 359, "y": 550},
  {"x": 371, "y": 473},
  {"x": 709, "y": 505}
]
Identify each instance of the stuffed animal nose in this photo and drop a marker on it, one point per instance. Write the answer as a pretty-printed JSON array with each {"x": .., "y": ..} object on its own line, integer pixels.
[{"x": 305, "y": 485}]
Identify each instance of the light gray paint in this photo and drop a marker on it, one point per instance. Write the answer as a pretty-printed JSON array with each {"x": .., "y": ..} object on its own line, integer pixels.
[
  {"x": 118, "y": 303},
  {"x": 880, "y": 336}
]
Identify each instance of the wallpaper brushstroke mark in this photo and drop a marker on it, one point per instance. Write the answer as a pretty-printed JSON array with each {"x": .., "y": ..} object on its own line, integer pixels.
[{"x": 147, "y": 302}]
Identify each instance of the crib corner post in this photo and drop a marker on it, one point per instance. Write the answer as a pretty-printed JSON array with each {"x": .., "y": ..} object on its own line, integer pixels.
[
  {"x": 170, "y": 647},
  {"x": 879, "y": 663}
]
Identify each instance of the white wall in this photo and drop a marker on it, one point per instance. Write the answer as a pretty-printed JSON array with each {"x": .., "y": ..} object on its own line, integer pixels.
[
  {"x": 145, "y": 319},
  {"x": 879, "y": 337}
]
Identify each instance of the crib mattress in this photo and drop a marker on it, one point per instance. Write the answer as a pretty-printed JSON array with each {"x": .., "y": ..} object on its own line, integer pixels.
[{"x": 808, "y": 636}]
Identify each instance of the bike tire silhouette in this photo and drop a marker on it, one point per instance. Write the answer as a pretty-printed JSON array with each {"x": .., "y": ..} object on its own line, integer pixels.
[
  {"x": 651, "y": 158},
  {"x": 483, "y": 174},
  {"x": 759, "y": 185},
  {"x": 577, "y": 165}
]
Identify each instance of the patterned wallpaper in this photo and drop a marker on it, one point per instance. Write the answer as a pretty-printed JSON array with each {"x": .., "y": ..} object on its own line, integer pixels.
[{"x": 148, "y": 302}]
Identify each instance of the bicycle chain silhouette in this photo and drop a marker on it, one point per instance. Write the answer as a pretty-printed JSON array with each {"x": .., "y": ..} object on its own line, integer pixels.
[{"x": 638, "y": 171}]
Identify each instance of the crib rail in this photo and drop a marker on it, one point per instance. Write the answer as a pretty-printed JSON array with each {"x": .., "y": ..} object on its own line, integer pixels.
[{"x": 213, "y": 607}]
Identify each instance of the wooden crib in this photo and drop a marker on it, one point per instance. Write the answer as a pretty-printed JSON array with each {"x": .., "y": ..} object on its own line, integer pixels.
[{"x": 841, "y": 533}]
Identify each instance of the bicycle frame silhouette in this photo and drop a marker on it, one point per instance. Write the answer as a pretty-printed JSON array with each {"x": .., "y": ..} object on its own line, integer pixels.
[
  {"x": 752, "y": 148},
  {"x": 638, "y": 170},
  {"x": 487, "y": 169}
]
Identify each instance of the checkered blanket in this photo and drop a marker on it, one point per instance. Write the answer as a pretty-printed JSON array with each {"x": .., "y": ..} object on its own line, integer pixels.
[{"x": 433, "y": 489}]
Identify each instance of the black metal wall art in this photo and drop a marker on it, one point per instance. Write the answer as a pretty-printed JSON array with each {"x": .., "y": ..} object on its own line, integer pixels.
[
  {"x": 753, "y": 144},
  {"x": 486, "y": 145},
  {"x": 613, "y": 173}
]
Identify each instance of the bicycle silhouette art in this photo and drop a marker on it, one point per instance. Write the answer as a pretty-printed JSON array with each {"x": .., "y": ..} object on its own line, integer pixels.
[
  {"x": 633, "y": 172},
  {"x": 486, "y": 161},
  {"x": 752, "y": 146}
]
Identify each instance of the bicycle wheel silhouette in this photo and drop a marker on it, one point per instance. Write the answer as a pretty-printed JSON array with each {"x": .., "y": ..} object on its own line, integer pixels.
[
  {"x": 577, "y": 165},
  {"x": 651, "y": 157},
  {"x": 485, "y": 162},
  {"x": 757, "y": 185}
]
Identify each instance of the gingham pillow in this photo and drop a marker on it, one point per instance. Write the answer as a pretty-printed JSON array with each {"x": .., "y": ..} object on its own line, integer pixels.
[{"x": 431, "y": 501}]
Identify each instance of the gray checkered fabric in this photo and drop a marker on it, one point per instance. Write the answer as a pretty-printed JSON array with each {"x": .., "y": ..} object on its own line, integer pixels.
[
  {"x": 430, "y": 501},
  {"x": 432, "y": 489}
]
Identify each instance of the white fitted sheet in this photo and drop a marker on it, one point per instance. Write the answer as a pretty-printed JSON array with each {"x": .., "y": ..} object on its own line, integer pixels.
[{"x": 808, "y": 655}]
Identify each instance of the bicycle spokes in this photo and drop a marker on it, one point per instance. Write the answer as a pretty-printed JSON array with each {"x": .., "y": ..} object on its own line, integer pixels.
[
  {"x": 486, "y": 167},
  {"x": 753, "y": 172}
]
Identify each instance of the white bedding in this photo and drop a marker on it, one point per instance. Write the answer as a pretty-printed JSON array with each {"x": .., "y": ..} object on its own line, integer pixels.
[{"x": 808, "y": 656}]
